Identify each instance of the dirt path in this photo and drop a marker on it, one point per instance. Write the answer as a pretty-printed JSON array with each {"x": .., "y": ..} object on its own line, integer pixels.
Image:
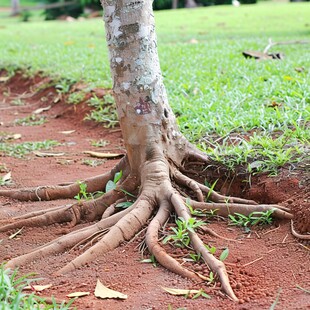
[{"x": 265, "y": 263}]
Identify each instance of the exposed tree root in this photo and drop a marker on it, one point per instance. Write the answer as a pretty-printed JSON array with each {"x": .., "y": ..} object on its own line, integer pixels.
[
  {"x": 156, "y": 196},
  {"x": 94, "y": 184},
  {"x": 297, "y": 235}
]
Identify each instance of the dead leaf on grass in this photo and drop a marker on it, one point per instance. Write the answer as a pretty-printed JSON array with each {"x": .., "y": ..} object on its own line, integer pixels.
[
  {"x": 37, "y": 288},
  {"x": 45, "y": 154},
  {"x": 179, "y": 292},
  {"x": 16, "y": 233},
  {"x": 103, "y": 292},
  {"x": 41, "y": 110},
  {"x": 78, "y": 294},
  {"x": 103, "y": 155}
]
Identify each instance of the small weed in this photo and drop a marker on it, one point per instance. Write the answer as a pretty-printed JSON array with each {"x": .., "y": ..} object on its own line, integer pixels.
[
  {"x": 63, "y": 86},
  {"x": 13, "y": 297},
  {"x": 211, "y": 249},
  {"x": 18, "y": 102},
  {"x": 84, "y": 195},
  {"x": 255, "y": 218},
  {"x": 25, "y": 15},
  {"x": 124, "y": 204},
  {"x": 19, "y": 150},
  {"x": 152, "y": 260},
  {"x": 92, "y": 162},
  {"x": 224, "y": 254},
  {"x": 100, "y": 143},
  {"x": 201, "y": 293},
  {"x": 83, "y": 192},
  {"x": 104, "y": 112},
  {"x": 76, "y": 97},
  {"x": 211, "y": 189},
  {"x": 31, "y": 120},
  {"x": 199, "y": 212},
  {"x": 195, "y": 257},
  {"x": 181, "y": 233},
  {"x": 112, "y": 184}
]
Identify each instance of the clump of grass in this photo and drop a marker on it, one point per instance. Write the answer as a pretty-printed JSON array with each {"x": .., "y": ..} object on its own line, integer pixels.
[
  {"x": 259, "y": 153},
  {"x": 31, "y": 120},
  {"x": 104, "y": 111},
  {"x": 19, "y": 150},
  {"x": 12, "y": 296},
  {"x": 255, "y": 218},
  {"x": 76, "y": 97}
]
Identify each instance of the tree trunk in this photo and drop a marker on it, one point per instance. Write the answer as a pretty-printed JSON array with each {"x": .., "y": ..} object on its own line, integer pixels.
[
  {"x": 15, "y": 5},
  {"x": 190, "y": 4},
  {"x": 154, "y": 168},
  {"x": 146, "y": 119},
  {"x": 175, "y": 4}
]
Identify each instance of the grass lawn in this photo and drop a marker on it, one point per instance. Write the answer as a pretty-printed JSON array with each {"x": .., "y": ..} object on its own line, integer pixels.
[{"x": 213, "y": 89}]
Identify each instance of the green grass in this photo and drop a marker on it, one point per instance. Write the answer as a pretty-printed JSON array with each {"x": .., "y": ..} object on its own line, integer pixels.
[
  {"x": 212, "y": 88},
  {"x": 13, "y": 297},
  {"x": 20, "y": 150}
]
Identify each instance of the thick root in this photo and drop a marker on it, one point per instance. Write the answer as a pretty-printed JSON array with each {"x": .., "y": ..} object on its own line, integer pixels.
[
  {"x": 63, "y": 243},
  {"x": 215, "y": 265},
  {"x": 73, "y": 214},
  {"x": 39, "y": 193},
  {"x": 123, "y": 230},
  {"x": 115, "y": 226},
  {"x": 152, "y": 242},
  {"x": 297, "y": 235}
]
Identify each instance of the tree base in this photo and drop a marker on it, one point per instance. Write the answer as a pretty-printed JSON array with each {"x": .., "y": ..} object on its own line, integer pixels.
[{"x": 161, "y": 190}]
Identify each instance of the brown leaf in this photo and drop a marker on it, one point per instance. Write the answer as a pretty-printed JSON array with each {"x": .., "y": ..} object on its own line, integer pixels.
[
  {"x": 16, "y": 233},
  {"x": 78, "y": 294},
  {"x": 4, "y": 78},
  {"x": 103, "y": 292},
  {"x": 179, "y": 292},
  {"x": 37, "y": 288},
  {"x": 67, "y": 132},
  {"x": 41, "y": 110},
  {"x": 102, "y": 155},
  {"x": 45, "y": 154},
  {"x": 7, "y": 177}
]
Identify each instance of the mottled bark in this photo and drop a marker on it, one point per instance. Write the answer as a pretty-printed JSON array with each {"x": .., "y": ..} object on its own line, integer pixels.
[{"x": 146, "y": 119}]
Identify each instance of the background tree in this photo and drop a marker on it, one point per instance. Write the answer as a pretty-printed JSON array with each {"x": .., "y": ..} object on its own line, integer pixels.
[
  {"x": 154, "y": 168},
  {"x": 15, "y": 5}
]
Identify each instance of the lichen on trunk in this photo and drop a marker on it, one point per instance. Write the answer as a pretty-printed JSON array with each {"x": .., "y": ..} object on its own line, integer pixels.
[{"x": 145, "y": 116}]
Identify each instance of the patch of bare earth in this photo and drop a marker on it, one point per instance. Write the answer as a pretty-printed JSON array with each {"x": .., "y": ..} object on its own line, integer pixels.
[{"x": 264, "y": 263}]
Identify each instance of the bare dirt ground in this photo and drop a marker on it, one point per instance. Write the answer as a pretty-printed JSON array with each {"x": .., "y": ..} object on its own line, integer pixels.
[{"x": 265, "y": 263}]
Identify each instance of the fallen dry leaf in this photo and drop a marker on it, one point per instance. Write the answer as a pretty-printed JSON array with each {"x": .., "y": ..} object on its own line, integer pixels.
[
  {"x": 39, "y": 111},
  {"x": 179, "y": 292},
  {"x": 78, "y": 294},
  {"x": 16, "y": 136},
  {"x": 102, "y": 155},
  {"x": 102, "y": 291},
  {"x": 16, "y": 233},
  {"x": 7, "y": 177},
  {"x": 67, "y": 132},
  {"x": 37, "y": 288},
  {"x": 45, "y": 154},
  {"x": 4, "y": 78}
]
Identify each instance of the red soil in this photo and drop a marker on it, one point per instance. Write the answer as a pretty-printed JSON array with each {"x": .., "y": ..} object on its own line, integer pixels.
[{"x": 265, "y": 263}]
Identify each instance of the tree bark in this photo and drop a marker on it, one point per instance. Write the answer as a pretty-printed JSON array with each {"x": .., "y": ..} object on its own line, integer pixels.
[
  {"x": 146, "y": 119},
  {"x": 15, "y": 5}
]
